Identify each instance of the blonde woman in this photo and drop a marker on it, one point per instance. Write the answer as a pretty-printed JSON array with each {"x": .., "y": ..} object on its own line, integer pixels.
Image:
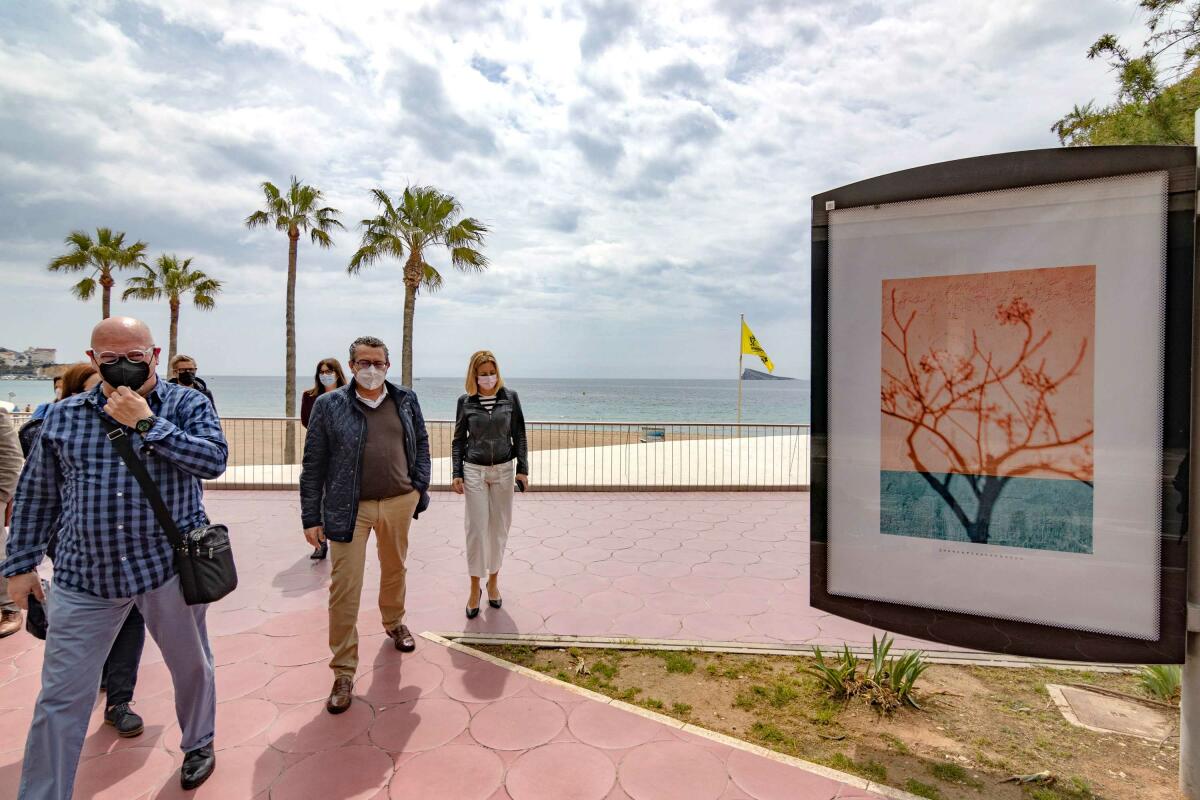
[{"x": 489, "y": 436}]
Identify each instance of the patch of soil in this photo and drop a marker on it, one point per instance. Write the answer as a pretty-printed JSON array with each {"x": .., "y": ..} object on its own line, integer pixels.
[{"x": 976, "y": 726}]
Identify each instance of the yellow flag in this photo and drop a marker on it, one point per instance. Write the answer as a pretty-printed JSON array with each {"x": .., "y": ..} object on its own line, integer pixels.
[{"x": 750, "y": 345}]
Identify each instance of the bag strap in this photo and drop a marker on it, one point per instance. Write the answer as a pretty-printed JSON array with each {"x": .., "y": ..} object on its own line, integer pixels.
[{"x": 120, "y": 442}]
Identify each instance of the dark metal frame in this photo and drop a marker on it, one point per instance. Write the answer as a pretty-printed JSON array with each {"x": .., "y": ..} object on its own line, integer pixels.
[{"x": 1008, "y": 171}]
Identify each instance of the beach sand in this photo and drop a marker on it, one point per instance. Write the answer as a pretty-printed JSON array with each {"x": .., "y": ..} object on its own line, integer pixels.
[{"x": 261, "y": 441}]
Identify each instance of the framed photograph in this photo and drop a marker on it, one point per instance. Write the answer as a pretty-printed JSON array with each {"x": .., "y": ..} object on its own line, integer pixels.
[{"x": 1001, "y": 386}]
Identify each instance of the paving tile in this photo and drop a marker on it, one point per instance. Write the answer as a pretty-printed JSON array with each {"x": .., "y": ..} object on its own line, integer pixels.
[
  {"x": 672, "y": 769},
  {"x": 124, "y": 774},
  {"x": 561, "y": 770},
  {"x": 309, "y": 728},
  {"x": 517, "y": 723},
  {"x": 360, "y": 774},
  {"x": 611, "y": 728},
  {"x": 463, "y": 772}
]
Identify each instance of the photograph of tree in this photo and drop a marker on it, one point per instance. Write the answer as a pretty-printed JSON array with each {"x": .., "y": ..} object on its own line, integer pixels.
[{"x": 987, "y": 387}]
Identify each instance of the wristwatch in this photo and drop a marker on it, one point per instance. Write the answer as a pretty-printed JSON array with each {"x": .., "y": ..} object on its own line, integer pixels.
[{"x": 143, "y": 426}]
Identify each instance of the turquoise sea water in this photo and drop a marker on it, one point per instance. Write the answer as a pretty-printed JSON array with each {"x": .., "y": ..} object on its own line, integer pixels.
[
  {"x": 1033, "y": 513},
  {"x": 544, "y": 399}
]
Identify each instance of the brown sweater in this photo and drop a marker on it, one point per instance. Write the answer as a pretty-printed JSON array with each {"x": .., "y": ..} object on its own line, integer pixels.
[{"x": 385, "y": 464}]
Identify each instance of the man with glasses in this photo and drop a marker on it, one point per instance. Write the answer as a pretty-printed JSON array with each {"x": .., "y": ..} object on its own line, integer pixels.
[
  {"x": 182, "y": 370},
  {"x": 111, "y": 553},
  {"x": 366, "y": 468}
]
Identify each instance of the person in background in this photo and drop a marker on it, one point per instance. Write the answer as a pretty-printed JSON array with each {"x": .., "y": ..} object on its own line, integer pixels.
[
  {"x": 119, "y": 676},
  {"x": 10, "y": 470},
  {"x": 489, "y": 436},
  {"x": 183, "y": 372},
  {"x": 111, "y": 553},
  {"x": 329, "y": 378},
  {"x": 42, "y": 408},
  {"x": 366, "y": 468}
]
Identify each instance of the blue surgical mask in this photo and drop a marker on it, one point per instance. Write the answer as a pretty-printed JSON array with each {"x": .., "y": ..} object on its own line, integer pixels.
[{"x": 328, "y": 379}]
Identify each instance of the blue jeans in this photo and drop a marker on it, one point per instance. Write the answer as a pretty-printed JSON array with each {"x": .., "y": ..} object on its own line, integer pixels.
[{"x": 81, "y": 632}]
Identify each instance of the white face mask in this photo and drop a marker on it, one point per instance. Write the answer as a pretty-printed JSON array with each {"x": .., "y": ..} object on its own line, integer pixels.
[
  {"x": 487, "y": 382},
  {"x": 370, "y": 378},
  {"x": 328, "y": 380}
]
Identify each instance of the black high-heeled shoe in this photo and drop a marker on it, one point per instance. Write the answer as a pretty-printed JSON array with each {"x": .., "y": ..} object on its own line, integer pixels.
[
  {"x": 472, "y": 613},
  {"x": 495, "y": 603}
]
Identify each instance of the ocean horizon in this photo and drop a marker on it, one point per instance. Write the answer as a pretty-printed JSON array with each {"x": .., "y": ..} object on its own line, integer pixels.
[{"x": 543, "y": 399}]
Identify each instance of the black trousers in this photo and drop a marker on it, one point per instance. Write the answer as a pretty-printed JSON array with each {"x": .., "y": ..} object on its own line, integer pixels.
[{"x": 121, "y": 669}]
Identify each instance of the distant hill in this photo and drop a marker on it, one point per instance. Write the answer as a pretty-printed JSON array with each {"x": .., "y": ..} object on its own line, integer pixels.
[{"x": 754, "y": 375}]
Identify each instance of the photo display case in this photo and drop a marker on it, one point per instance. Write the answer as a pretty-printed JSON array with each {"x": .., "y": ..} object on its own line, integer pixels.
[{"x": 1002, "y": 353}]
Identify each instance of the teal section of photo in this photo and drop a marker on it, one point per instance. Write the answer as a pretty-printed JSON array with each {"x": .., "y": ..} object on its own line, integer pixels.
[{"x": 1034, "y": 513}]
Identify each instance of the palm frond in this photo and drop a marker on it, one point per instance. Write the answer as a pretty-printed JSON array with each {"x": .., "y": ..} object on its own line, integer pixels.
[
  {"x": 257, "y": 220},
  {"x": 431, "y": 280},
  {"x": 85, "y": 289}
]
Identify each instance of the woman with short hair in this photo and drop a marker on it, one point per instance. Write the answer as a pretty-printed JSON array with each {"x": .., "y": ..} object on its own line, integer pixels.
[{"x": 489, "y": 436}]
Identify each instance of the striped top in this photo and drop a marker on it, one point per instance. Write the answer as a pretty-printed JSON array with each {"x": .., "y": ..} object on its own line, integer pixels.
[{"x": 487, "y": 402}]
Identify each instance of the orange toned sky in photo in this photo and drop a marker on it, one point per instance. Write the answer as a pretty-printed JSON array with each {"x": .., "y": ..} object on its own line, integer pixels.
[{"x": 948, "y": 310}]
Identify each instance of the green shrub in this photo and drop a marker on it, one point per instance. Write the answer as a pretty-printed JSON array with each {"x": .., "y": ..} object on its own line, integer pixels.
[
  {"x": 886, "y": 682},
  {"x": 681, "y": 708},
  {"x": 1161, "y": 681},
  {"x": 650, "y": 702}
]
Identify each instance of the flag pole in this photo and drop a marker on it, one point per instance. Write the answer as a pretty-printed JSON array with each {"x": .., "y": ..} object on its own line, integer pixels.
[{"x": 741, "y": 336}]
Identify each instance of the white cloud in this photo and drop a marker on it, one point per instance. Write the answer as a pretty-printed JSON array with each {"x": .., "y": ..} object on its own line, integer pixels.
[{"x": 645, "y": 168}]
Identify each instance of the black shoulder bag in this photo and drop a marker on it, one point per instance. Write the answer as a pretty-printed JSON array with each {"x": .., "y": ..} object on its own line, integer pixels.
[{"x": 204, "y": 556}]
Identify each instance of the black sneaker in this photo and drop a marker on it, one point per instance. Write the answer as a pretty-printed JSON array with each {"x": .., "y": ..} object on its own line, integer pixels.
[{"x": 127, "y": 723}]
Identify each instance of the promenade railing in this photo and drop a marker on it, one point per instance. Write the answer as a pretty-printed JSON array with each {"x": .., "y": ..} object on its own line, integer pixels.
[{"x": 568, "y": 456}]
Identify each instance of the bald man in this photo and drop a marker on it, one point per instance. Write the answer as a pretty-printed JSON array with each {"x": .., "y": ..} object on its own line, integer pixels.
[{"x": 111, "y": 553}]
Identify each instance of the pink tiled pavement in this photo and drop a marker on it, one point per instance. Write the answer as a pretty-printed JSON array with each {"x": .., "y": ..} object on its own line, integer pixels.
[
  {"x": 444, "y": 723},
  {"x": 728, "y": 567}
]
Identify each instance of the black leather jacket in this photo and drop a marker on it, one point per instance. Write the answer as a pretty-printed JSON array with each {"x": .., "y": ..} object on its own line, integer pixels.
[{"x": 487, "y": 439}]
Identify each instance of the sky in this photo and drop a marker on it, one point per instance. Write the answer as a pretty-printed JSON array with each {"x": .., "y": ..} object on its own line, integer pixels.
[{"x": 645, "y": 168}]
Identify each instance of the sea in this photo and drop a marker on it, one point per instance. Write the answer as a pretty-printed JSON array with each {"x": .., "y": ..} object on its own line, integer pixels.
[{"x": 543, "y": 399}]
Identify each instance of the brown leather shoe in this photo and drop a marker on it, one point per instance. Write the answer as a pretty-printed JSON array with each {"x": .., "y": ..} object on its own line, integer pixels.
[
  {"x": 403, "y": 639},
  {"x": 10, "y": 622},
  {"x": 340, "y": 696}
]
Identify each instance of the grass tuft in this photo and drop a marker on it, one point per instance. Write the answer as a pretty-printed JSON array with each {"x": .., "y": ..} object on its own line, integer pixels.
[{"x": 914, "y": 786}]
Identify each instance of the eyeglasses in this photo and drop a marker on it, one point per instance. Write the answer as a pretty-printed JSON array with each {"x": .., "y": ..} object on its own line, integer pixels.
[
  {"x": 136, "y": 356},
  {"x": 364, "y": 364}
]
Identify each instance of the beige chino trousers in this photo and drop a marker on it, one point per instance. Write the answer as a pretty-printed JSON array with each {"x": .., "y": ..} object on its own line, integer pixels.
[
  {"x": 489, "y": 496},
  {"x": 390, "y": 519}
]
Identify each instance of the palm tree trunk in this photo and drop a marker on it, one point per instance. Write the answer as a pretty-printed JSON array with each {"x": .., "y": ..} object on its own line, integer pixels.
[
  {"x": 289, "y": 382},
  {"x": 410, "y": 303},
  {"x": 106, "y": 284},
  {"x": 174, "y": 343}
]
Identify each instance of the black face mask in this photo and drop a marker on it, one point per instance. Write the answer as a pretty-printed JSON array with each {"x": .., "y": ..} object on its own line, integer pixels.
[
  {"x": 187, "y": 377},
  {"x": 125, "y": 373}
]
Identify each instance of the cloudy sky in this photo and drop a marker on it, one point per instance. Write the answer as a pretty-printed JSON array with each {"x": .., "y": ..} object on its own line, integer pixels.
[{"x": 645, "y": 167}]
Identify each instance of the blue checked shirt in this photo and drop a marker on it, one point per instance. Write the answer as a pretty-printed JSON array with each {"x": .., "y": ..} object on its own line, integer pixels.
[{"x": 109, "y": 543}]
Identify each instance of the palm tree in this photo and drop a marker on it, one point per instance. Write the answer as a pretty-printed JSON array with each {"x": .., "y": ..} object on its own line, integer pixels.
[
  {"x": 174, "y": 280},
  {"x": 424, "y": 219},
  {"x": 102, "y": 255},
  {"x": 294, "y": 213}
]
